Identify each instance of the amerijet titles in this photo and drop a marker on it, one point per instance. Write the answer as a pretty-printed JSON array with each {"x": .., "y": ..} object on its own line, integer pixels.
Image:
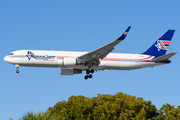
[{"x": 31, "y": 55}]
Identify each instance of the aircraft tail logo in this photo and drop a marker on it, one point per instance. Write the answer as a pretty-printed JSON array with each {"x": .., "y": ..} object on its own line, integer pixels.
[{"x": 162, "y": 44}]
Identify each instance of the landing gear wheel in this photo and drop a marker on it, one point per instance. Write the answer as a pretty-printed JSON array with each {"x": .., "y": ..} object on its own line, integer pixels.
[
  {"x": 86, "y": 77},
  {"x": 90, "y": 76},
  {"x": 87, "y": 71},
  {"x": 17, "y": 71},
  {"x": 17, "y": 66},
  {"x": 92, "y": 70}
]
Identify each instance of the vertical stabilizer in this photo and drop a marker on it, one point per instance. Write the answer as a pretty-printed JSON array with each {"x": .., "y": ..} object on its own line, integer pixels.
[{"x": 160, "y": 47}]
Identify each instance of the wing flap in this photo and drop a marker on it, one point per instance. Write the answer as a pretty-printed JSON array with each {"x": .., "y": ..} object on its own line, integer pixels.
[{"x": 164, "y": 57}]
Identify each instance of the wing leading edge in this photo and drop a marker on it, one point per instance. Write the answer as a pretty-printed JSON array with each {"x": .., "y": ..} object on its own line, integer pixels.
[{"x": 103, "y": 51}]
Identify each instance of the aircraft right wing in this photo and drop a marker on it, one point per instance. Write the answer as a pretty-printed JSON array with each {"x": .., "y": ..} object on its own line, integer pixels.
[{"x": 103, "y": 51}]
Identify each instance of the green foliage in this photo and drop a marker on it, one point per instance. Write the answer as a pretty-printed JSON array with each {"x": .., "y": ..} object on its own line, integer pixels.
[
  {"x": 110, "y": 107},
  {"x": 106, "y": 107},
  {"x": 168, "y": 112},
  {"x": 38, "y": 116}
]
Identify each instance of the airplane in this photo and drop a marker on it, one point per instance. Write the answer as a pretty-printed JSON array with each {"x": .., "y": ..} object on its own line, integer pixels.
[{"x": 71, "y": 62}]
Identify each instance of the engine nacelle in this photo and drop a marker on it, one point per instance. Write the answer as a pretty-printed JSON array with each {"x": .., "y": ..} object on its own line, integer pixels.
[
  {"x": 70, "y": 71},
  {"x": 70, "y": 61}
]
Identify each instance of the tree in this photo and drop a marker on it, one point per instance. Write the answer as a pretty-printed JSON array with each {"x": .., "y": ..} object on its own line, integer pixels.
[
  {"x": 106, "y": 107},
  {"x": 118, "y": 106},
  {"x": 38, "y": 116},
  {"x": 168, "y": 112}
]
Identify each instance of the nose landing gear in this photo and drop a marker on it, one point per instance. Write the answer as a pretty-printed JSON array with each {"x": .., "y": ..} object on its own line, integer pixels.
[
  {"x": 17, "y": 71},
  {"x": 88, "y": 74},
  {"x": 17, "y": 66}
]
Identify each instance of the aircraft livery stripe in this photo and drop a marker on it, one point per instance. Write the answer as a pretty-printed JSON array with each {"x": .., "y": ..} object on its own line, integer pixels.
[
  {"x": 134, "y": 61},
  {"x": 16, "y": 56},
  {"x": 113, "y": 59},
  {"x": 128, "y": 58},
  {"x": 62, "y": 56},
  {"x": 161, "y": 44},
  {"x": 166, "y": 42},
  {"x": 48, "y": 60},
  {"x": 123, "y": 60}
]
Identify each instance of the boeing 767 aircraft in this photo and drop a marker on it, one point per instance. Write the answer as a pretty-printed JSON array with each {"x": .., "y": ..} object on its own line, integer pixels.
[{"x": 100, "y": 59}]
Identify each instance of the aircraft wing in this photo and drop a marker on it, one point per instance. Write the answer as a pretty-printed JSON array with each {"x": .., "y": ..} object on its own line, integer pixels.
[{"x": 103, "y": 51}]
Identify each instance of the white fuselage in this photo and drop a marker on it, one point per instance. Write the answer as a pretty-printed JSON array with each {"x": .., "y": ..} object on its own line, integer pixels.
[{"x": 113, "y": 61}]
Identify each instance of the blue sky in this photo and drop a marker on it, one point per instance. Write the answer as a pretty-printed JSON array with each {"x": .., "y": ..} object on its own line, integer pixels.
[{"x": 84, "y": 26}]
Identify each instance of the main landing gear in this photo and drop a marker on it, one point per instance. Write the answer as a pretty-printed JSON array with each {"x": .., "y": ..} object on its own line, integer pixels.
[
  {"x": 17, "y": 66},
  {"x": 88, "y": 74}
]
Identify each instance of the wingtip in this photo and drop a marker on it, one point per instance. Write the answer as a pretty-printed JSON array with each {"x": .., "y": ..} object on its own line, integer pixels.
[
  {"x": 129, "y": 27},
  {"x": 123, "y": 36}
]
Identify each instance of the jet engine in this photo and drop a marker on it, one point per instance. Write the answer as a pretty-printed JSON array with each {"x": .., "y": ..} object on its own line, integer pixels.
[
  {"x": 70, "y": 71},
  {"x": 70, "y": 61}
]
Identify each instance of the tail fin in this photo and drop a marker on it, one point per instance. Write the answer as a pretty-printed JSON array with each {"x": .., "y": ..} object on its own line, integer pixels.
[{"x": 160, "y": 47}]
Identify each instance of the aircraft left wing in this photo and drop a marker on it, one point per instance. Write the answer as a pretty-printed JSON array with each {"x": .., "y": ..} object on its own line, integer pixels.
[{"x": 103, "y": 51}]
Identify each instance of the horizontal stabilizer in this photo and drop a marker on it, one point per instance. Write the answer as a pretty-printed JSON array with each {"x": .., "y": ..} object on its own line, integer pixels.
[{"x": 164, "y": 57}]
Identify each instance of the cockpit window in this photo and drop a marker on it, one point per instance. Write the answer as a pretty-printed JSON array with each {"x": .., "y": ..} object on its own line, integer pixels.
[{"x": 11, "y": 54}]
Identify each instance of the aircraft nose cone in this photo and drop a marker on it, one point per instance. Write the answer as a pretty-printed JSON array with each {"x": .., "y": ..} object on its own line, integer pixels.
[{"x": 6, "y": 58}]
